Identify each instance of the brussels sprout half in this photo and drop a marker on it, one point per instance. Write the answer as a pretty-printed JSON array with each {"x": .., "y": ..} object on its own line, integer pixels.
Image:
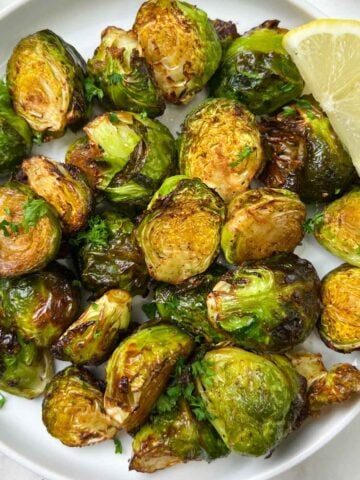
[
  {"x": 257, "y": 71},
  {"x": 30, "y": 231},
  {"x": 185, "y": 305},
  {"x": 180, "y": 231},
  {"x": 325, "y": 387},
  {"x": 110, "y": 257},
  {"x": 226, "y": 31},
  {"x": 73, "y": 409},
  {"x": 254, "y": 402},
  {"x": 304, "y": 153},
  {"x": 138, "y": 371},
  {"x": 93, "y": 337},
  {"x": 25, "y": 369},
  {"x": 45, "y": 78},
  {"x": 63, "y": 187},
  {"x": 220, "y": 144},
  {"x": 339, "y": 325},
  {"x": 172, "y": 438},
  {"x": 126, "y": 155},
  {"x": 123, "y": 74},
  {"x": 15, "y": 134},
  {"x": 180, "y": 43},
  {"x": 267, "y": 305},
  {"x": 338, "y": 227},
  {"x": 261, "y": 223},
  {"x": 40, "y": 305}
]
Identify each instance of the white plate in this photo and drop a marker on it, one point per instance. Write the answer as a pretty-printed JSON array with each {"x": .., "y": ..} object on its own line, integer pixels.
[{"x": 22, "y": 434}]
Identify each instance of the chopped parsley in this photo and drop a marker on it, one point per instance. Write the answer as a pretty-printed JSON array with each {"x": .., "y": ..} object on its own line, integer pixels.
[
  {"x": 303, "y": 103},
  {"x": 310, "y": 115},
  {"x": 337, "y": 191},
  {"x": 98, "y": 233},
  {"x": 95, "y": 306},
  {"x": 91, "y": 90},
  {"x": 143, "y": 115},
  {"x": 289, "y": 111},
  {"x": 97, "y": 334},
  {"x": 34, "y": 210},
  {"x": 2, "y": 401},
  {"x": 115, "y": 78},
  {"x": 312, "y": 222},
  {"x": 37, "y": 138},
  {"x": 118, "y": 446},
  {"x": 113, "y": 118},
  {"x": 287, "y": 87},
  {"x": 245, "y": 152}
]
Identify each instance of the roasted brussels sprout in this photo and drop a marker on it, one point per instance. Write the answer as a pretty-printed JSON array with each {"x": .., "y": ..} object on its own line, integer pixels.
[
  {"x": 338, "y": 227},
  {"x": 254, "y": 401},
  {"x": 63, "y": 187},
  {"x": 15, "y": 134},
  {"x": 226, "y": 31},
  {"x": 123, "y": 74},
  {"x": 110, "y": 257},
  {"x": 126, "y": 155},
  {"x": 180, "y": 231},
  {"x": 45, "y": 78},
  {"x": 262, "y": 222},
  {"x": 30, "y": 231},
  {"x": 220, "y": 144},
  {"x": 172, "y": 438},
  {"x": 40, "y": 305},
  {"x": 73, "y": 409},
  {"x": 267, "y": 305},
  {"x": 180, "y": 43},
  {"x": 185, "y": 305},
  {"x": 325, "y": 387},
  {"x": 304, "y": 153},
  {"x": 138, "y": 371},
  {"x": 25, "y": 369},
  {"x": 93, "y": 337},
  {"x": 339, "y": 325},
  {"x": 257, "y": 71}
]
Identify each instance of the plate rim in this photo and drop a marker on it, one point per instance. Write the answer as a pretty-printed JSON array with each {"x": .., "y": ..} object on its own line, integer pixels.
[{"x": 313, "y": 11}]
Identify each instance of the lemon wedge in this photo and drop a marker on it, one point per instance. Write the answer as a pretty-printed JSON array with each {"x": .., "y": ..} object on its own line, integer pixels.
[{"x": 327, "y": 54}]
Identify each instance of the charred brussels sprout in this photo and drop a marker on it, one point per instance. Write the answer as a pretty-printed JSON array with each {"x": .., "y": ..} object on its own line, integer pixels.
[
  {"x": 180, "y": 43},
  {"x": 185, "y": 305},
  {"x": 123, "y": 74},
  {"x": 15, "y": 134},
  {"x": 262, "y": 222},
  {"x": 257, "y": 71},
  {"x": 25, "y": 369},
  {"x": 338, "y": 227},
  {"x": 254, "y": 402},
  {"x": 126, "y": 155},
  {"x": 110, "y": 257},
  {"x": 220, "y": 144},
  {"x": 30, "y": 231},
  {"x": 339, "y": 325},
  {"x": 138, "y": 371},
  {"x": 172, "y": 438},
  {"x": 180, "y": 231},
  {"x": 325, "y": 387},
  {"x": 226, "y": 31},
  {"x": 92, "y": 338},
  {"x": 40, "y": 305},
  {"x": 267, "y": 305},
  {"x": 45, "y": 78},
  {"x": 73, "y": 409},
  {"x": 304, "y": 153},
  {"x": 63, "y": 187}
]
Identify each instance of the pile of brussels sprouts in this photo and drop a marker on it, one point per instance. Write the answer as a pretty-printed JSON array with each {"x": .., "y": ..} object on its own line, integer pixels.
[{"x": 133, "y": 211}]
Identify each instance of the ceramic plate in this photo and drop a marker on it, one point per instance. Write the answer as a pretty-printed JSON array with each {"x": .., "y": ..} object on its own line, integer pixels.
[{"x": 22, "y": 434}]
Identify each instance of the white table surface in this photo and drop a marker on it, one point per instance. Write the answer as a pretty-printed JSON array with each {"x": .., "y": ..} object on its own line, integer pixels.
[{"x": 339, "y": 459}]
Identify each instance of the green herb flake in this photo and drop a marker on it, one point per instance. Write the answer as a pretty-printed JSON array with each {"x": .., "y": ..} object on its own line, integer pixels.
[
  {"x": 287, "y": 87},
  {"x": 97, "y": 334},
  {"x": 113, "y": 118},
  {"x": 115, "y": 78},
  {"x": 118, "y": 446},
  {"x": 289, "y": 111},
  {"x": 310, "y": 115},
  {"x": 2, "y": 401},
  {"x": 311, "y": 223},
  {"x": 92, "y": 91},
  {"x": 34, "y": 210},
  {"x": 95, "y": 306},
  {"x": 37, "y": 138},
  {"x": 303, "y": 103},
  {"x": 97, "y": 235},
  {"x": 245, "y": 152},
  {"x": 4, "y": 225},
  {"x": 143, "y": 115},
  {"x": 337, "y": 191}
]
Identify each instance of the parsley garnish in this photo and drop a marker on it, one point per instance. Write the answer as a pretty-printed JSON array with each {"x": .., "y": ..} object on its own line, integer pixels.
[
  {"x": 311, "y": 223},
  {"x": 97, "y": 235},
  {"x": 91, "y": 90},
  {"x": 34, "y": 210},
  {"x": 37, "y": 138},
  {"x": 289, "y": 111},
  {"x": 2, "y": 401},
  {"x": 337, "y": 191},
  {"x": 303, "y": 103},
  {"x": 143, "y": 115},
  {"x": 118, "y": 446},
  {"x": 115, "y": 78},
  {"x": 97, "y": 334},
  {"x": 95, "y": 306},
  {"x": 113, "y": 118},
  {"x": 310, "y": 115},
  {"x": 245, "y": 152}
]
